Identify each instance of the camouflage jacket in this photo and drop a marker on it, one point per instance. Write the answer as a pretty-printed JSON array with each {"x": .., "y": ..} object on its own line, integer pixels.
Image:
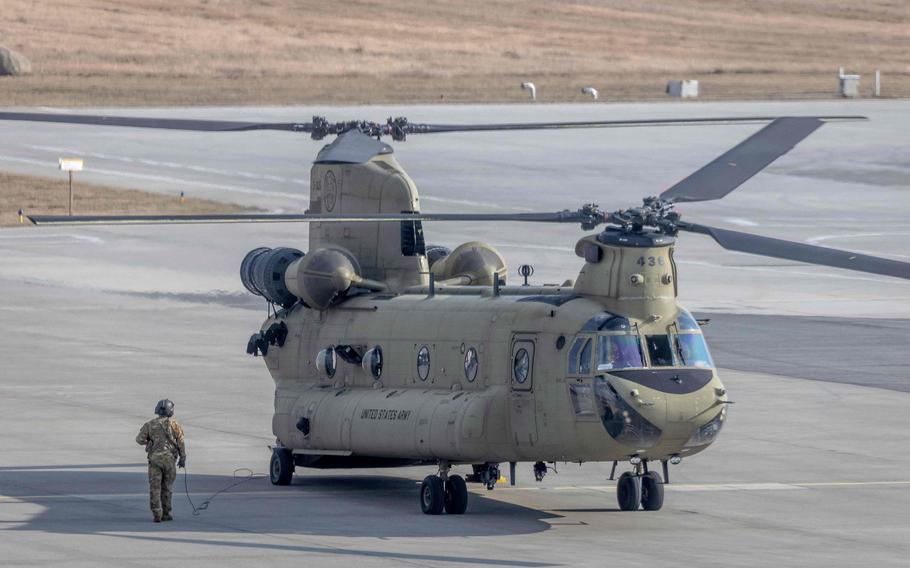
[{"x": 162, "y": 437}]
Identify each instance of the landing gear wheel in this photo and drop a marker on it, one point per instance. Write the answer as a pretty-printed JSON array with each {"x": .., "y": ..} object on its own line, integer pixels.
[
  {"x": 456, "y": 495},
  {"x": 281, "y": 467},
  {"x": 652, "y": 491},
  {"x": 432, "y": 495},
  {"x": 628, "y": 492}
]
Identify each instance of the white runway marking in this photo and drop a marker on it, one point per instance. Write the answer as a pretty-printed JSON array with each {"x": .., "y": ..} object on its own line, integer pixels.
[
  {"x": 173, "y": 181},
  {"x": 433, "y": 198},
  {"x": 756, "y": 486},
  {"x": 44, "y": 163},
  {"x": 36, "y": 236},
  {"x": 823, "y": 238},
  {"x": 284, "y": 494},
  {"x": 741, "y": 222},
  {"x": 789, "y": 270},
  {"x": 172, "y": 165},
  {"x": 220, "y": 186}
]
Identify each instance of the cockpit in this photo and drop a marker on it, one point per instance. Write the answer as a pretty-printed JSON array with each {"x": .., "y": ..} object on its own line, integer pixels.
[
  {"x": 610, "y": 352},
  {"x": 608, "y": 342}
]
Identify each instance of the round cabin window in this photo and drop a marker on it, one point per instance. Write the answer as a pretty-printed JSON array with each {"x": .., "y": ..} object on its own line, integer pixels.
[
  {"x": 470, "y": 364},
  {"x": 521, "y": 365},
  {"x": 372, "y": 362},
  {"x": 327, "y": 362},
  {"x": 423, "y": 363}
]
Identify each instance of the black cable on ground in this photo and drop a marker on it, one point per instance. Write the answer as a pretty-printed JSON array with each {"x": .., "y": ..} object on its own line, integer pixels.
[{"x": 205, "y": 504}]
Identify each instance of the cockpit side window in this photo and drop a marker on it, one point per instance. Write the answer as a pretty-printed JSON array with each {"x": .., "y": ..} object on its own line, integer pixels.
[
  {"x": 618, "y": 352},
  {"x": 659, "y": 350},
  {"x": 580, "y": 357},
  {"x": 584, "y": 360}
]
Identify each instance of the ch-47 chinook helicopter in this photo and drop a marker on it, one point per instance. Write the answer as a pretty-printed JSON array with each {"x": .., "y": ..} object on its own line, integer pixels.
[{"x": 388, "y": 352}]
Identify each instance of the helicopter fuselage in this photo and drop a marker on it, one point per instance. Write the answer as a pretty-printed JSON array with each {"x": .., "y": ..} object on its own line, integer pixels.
[{"x": 476, "y": 378}]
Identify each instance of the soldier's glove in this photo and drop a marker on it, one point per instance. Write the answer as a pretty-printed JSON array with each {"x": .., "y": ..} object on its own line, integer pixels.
[{"x": 181, "y": 462}]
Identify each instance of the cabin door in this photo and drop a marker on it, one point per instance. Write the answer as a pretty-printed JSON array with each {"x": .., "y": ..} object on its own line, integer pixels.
[{"x": 522, "y": 413}]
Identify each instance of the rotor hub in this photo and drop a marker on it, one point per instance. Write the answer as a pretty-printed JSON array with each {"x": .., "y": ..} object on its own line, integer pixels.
[
  {"x": 398, "y": 128},
  {"x": 655, "y": 214}
]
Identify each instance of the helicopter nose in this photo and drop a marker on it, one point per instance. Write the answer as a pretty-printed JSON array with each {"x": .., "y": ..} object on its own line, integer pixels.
[
  {"x": 641, "y": 408},
  {"x": 627, "y": 418}
]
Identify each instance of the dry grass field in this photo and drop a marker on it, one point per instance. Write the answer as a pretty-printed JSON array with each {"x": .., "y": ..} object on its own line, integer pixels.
[
  {"x": 212, "y": 52},
  {"x": 46, "y": 196}
]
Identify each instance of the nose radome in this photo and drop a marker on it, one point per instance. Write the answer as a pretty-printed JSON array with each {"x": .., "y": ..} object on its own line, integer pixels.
[
  {"x": 674, "y": 409},
  {"x": 633, "y": 416}
]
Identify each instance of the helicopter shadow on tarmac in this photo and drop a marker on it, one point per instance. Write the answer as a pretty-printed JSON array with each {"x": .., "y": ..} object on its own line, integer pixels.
[{"x": 92, "y": 499}]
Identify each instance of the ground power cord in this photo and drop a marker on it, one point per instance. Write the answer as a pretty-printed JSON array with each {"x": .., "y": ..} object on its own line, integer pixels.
[{"x": 247, "y": 475}]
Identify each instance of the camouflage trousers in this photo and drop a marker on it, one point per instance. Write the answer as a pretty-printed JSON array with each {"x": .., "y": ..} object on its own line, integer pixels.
[{"x": 162, "y": 473}]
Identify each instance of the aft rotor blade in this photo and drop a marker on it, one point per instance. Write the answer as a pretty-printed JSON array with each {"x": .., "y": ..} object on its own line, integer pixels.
[
  {"x": 166, "y": 123},
  {"x": 414, "y": 128},
  {"x": 789, "y": 250},
  {"x": 743, "y": 161},
  {"x": 555, "y": 217}
]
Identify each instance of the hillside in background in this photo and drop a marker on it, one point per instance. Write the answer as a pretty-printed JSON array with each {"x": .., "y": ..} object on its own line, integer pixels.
[{"x": 194, "y": 52}]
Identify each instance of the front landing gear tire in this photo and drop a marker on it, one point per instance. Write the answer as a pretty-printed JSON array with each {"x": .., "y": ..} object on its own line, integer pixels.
[
  {"x": 652, "y": 491},
  {"x": 432, "y": 495},
  {"x": 281, "y": 467},
  {"x": 456, "y": 495},
  {"x": 628, "y": 492}
]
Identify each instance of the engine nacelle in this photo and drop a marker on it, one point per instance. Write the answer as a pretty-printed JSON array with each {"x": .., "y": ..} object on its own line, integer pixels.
[
  {"x": 435, "y": 253},
  {"x": 472, "y": 263},
  {"x": 320, "y": 277},
  {"x": 262, "y": 273}
]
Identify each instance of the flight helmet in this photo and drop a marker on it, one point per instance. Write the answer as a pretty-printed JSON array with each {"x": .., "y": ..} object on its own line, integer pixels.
[{"x": 165, "y": 407}]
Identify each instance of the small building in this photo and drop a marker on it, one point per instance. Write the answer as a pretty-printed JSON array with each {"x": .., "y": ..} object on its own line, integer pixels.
[
  {"x": 848, "y": 85},
  {"x": 685, "y": 89}
]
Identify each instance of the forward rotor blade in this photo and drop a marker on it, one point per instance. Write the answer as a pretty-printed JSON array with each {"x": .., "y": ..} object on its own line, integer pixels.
[
  {"x": 743, "y": 161},
  {"x": 414, "y": 128},
  {"x": 166, "y": 123},
  {"x": 398, "y": 129},
  {"x": 555, "y": 217},
  {"x": 789, "y": 250}
]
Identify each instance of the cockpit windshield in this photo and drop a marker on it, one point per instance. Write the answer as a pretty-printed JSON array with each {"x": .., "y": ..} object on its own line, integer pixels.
[
  {"x": 615, "y": 343},
  {"x": 693, "y": 351},
  {"x": 618, "y": 352},
  {"x": 660, "y": 351},
  {"x": 685, "y": 322}
]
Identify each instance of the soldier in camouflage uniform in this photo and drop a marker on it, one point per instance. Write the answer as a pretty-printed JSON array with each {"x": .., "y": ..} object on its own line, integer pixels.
[{"x": 163, "y": 440}]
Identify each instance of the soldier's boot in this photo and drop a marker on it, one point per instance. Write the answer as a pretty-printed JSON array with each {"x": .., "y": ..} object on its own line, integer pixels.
[
  {"x": 156, "y": 516},
  {"x": 167, "y": 516}
]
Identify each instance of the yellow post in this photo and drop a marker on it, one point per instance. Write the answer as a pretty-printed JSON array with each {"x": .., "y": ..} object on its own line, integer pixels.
[{"x": 21, "y": 217}]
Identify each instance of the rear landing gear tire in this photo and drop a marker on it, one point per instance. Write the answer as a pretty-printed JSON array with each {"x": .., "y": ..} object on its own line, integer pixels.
[
  {"x": 652, "y": 491},
  {"x": 456, "y": 495},
  {"x": 281, "y": 467},
  {"x": 628, "y": 492},
  {"x": 432, "y": 495}
]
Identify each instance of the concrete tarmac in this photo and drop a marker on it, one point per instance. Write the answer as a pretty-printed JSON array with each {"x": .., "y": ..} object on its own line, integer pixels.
[{"x": 99, "y": 323}]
